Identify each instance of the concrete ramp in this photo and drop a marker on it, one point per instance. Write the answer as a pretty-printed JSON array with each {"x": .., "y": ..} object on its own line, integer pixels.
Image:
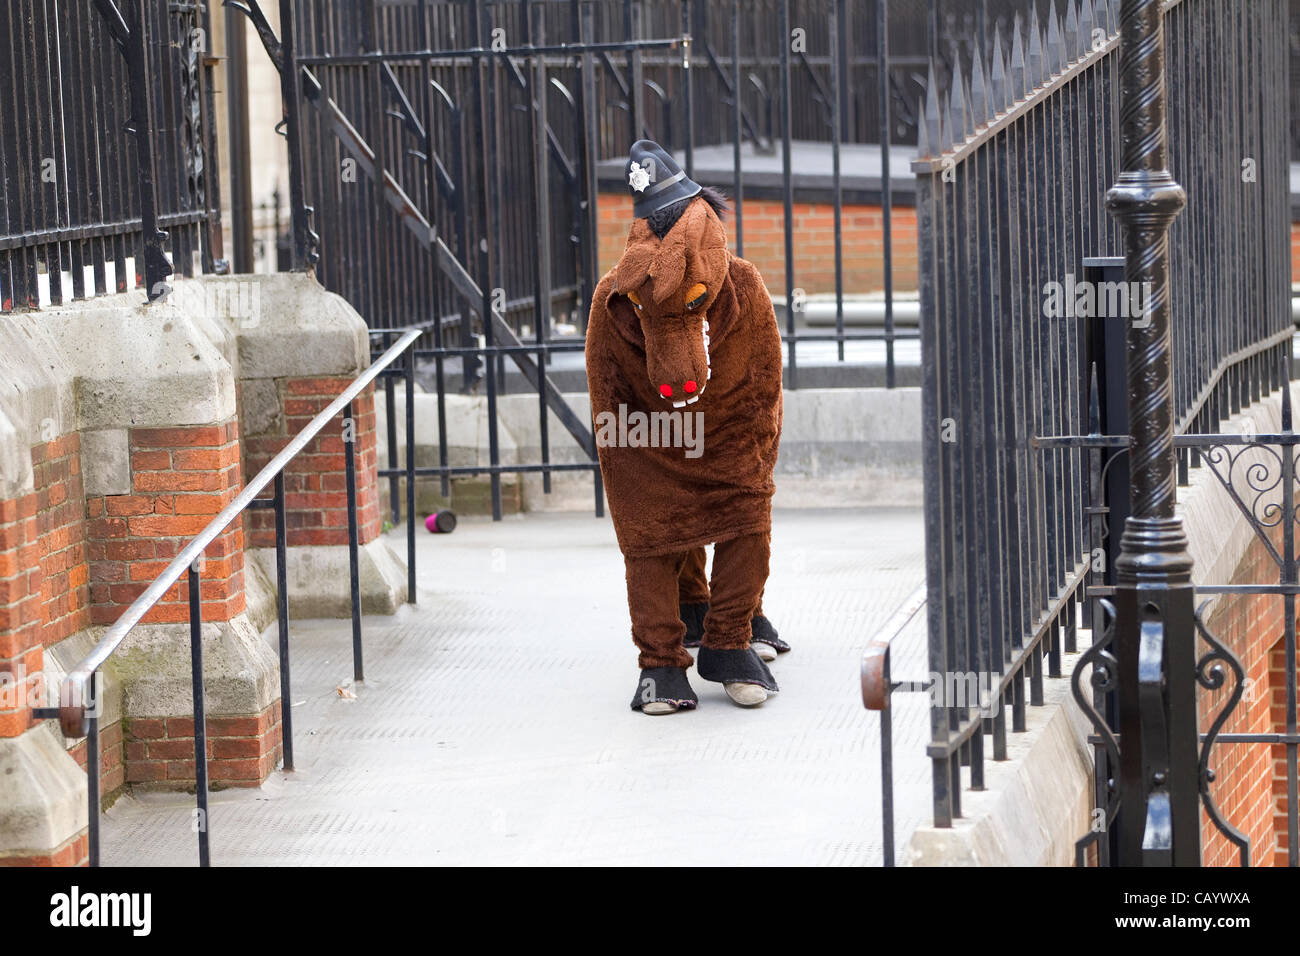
[{"x": 494, "y": 725}]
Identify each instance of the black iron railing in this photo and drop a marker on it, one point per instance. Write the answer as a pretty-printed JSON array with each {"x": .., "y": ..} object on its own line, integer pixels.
[
  {"x": 382, "y": 236},
  {"x": 107, "y": 148},
  {"x": 548, "y": 401},
  {"x": 878, "y": 687},
  {"x": 1014, "y": 164},
  {"x": 449, "y": 141},
  {"x": 1147, "y": 663},
  {"x": 79, "y": 701},
  {"x": 447, "y": 154}
]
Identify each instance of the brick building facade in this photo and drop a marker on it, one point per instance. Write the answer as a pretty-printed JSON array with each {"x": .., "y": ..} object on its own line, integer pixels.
[{"x": 76, "y": 549}]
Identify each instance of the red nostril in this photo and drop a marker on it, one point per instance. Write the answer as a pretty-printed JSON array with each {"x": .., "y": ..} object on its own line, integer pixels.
[
  {"x": 689, "y": 386},
  {"x": 666, "y": 391}
]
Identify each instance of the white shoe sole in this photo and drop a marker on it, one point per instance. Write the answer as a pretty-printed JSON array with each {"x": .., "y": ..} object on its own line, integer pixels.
[
  {"x": 658, "y": 708},
  {"x": 745, "y": 695},
  {"x": 765, "y": 652}
]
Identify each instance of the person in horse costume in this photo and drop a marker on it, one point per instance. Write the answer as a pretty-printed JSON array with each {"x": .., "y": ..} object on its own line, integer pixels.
[{"x": 681, "y": 327}]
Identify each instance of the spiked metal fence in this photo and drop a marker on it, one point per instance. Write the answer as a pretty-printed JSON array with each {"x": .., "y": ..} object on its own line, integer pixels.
[
  {"x": 106, "y": 148},
  {"x": 443, "y": 158},
  {"x": 1015, "y": 160}
]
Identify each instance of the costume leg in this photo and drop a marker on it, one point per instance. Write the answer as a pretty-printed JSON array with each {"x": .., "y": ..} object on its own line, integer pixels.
[
  {"x": 693, "y": 596},
  {"x": 652, "y": 603},
  {"x": 739, "y": 574},
  {"x": 692, "y": 583}
]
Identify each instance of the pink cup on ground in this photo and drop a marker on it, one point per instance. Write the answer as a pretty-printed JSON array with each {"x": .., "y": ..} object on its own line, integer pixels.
[{"x": 441, "y": 522}]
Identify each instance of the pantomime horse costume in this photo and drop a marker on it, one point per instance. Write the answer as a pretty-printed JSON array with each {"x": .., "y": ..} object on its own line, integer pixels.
[{"x": 683, "y": 327}]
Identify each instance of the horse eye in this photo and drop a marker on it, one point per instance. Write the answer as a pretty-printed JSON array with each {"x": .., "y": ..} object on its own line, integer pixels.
[
  {"x": 634, "y": 299},
  {"x": 697, "y": 300}
]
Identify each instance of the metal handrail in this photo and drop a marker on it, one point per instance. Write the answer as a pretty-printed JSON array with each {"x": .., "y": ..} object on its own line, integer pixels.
[
  {"x": 877, "y": 689},
  {"x": 72, "y": 694}
]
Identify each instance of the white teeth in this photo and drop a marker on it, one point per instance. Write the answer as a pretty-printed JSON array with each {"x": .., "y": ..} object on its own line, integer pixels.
[
  {"x": 693, "y": 400},
  {"x": 708, "y": 359},
  {"x": 678, "y": 404}
]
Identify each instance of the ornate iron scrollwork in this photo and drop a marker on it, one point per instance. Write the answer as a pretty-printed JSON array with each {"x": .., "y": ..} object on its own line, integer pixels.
[
  {"x": 1210, "y": 675},
  {"x": 1103, "y": 676},
  {"x": 1262, "y": 480},
  {"x": 192, "y": 41}
]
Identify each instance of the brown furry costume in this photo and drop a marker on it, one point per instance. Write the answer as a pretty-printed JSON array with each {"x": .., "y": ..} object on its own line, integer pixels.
[{"x": 666, "y": 505}]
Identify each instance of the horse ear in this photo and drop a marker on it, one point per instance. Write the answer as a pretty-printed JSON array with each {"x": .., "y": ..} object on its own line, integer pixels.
[
  {"x": 638, "y": 257},
  {"x": 687, "y": 235},
  {"x": 707, "y": 241}
]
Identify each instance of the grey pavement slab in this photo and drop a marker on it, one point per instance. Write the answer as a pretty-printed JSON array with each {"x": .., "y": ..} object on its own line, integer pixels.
[{"x": 494, "y": 727}]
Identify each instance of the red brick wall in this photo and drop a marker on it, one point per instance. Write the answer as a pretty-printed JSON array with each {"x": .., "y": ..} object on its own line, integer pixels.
[
  {"x": 68, "y": 561},
  {"x": 814, "y": 271},
  {"x": 180, "y": 479},
  {"x": 315, "y": 485},
  {"x": 1246, "y": 787},
  {"x": 112, "y": 767},
  {"x": 1277, "y": 752},
  {"x": 43, "y": 572},
  {"x": 20, "y": 606},
  {"x": 44, "y": 598},
  {"x": 814, "y": 243},
  {"x": 242, "y": 751},
  {"x": 64, "y": 573}
]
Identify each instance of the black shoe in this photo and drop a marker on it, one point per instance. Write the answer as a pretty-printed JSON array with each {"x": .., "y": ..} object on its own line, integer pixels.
[
  {"x": 764, "y": 633},
  {"x": 663, "y": 686},
  {"x": 734, "y": 666},
  {"x": 693, "y": 617}
]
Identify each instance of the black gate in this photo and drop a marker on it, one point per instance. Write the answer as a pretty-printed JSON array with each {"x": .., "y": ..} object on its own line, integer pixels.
[
  {"x": 106, "y": 149},
  {"x": 444, "y": 161},
  {"x": 400, "y": 184},
  {"x": 1059, "y": 423}
]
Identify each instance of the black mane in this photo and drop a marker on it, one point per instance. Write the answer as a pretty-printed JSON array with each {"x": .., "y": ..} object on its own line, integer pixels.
[{"x": 666, "y": 218}]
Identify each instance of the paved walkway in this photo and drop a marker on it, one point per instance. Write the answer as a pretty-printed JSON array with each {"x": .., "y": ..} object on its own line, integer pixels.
[{"x": 494, "y": 726}]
